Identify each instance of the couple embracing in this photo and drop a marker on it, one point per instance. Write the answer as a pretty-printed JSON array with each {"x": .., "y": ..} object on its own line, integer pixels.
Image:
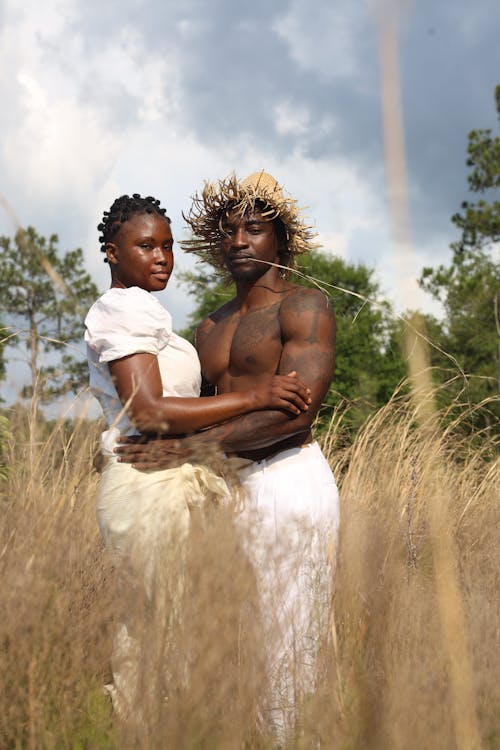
[{"x": 266, "y": 360}]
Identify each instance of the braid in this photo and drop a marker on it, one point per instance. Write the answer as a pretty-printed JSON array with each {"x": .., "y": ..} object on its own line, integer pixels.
[{"x": 122, "y": 210}]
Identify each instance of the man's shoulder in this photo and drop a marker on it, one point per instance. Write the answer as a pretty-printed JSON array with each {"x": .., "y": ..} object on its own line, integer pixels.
[
  {"x": 220, "y": 314},
  {"x": 307, "y": 314},
  {"x": 303, "y": 299},
  {"x": 206, "y": 325}
]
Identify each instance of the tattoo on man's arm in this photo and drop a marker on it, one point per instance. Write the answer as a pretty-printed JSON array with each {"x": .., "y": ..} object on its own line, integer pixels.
[
  {"x": 253, "y": 431},
  {"x": 314, "y": 365},
  {"x": 312, "y": 338}
]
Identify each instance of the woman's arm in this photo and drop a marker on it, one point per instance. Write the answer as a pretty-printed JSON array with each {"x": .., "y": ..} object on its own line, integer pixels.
[{"x": 138, "y": 382}]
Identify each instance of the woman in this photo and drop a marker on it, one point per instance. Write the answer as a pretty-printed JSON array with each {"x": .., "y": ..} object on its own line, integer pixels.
[{"x": 148, "y": 379}]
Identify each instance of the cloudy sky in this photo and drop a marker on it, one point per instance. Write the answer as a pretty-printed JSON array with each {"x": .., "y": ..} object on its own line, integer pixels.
[{"x": 103, "y": 98}]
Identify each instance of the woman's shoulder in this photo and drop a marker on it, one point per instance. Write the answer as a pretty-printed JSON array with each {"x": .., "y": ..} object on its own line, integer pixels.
[
  {"x": 130, "y": 303},
  {"x": 125, "y": 321},
  {"x": 117, "y": 297}
]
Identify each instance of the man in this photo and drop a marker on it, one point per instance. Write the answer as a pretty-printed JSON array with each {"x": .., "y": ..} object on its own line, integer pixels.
[{"x": 252, "y": 231}]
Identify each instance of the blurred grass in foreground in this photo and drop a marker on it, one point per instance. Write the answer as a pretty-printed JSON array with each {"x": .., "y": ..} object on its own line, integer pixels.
[{"x": 382, "y": 670}]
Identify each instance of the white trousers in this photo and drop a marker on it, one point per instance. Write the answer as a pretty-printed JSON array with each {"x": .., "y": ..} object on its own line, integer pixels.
[
  {"x": 145, "y": 517},
  {"x": 290, "y": 524}
]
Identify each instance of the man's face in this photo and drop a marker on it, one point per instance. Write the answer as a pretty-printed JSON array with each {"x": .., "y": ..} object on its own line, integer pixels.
[{"x": 247, "y": 243}]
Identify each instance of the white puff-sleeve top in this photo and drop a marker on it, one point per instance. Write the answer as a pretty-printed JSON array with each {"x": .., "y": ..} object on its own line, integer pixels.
[{"x": 129, "y": 321}]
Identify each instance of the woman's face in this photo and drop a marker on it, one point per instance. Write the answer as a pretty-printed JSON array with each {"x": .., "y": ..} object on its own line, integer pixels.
[{"x": 141, "y": 253}]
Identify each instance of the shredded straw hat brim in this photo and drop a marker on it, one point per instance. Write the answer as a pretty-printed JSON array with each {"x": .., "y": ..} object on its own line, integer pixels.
[{"x": 260, "y": 191}]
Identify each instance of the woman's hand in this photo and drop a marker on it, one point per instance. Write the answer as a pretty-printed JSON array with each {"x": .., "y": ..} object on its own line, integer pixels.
[
  {"x": 154, "y": 452},
  {"x": 282, "y": 392}
]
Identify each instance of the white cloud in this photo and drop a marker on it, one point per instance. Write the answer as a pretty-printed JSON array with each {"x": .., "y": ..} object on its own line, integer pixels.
[
  {"x": 290, "y": 119},
  {"x": 60, "y": 143},
  {"x": 325, "y": 36},
  {"x": 68, "y": 131},
  {"x": 100, "y": 100},
  {"x": 333, "y": 243},
  {"x": 296, "y": 120}
]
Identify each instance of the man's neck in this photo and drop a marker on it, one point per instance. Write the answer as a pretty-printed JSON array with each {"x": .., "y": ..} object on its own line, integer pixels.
[{"x": 264, "y": 291}]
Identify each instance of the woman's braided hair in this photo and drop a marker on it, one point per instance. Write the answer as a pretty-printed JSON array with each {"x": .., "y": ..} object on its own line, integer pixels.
[{"x": 122, "y": 210}]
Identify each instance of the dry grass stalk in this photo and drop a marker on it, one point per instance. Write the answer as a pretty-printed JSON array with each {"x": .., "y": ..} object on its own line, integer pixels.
[
  {"x": 451, "y": 608},
  {"x": 56, "y": 601},
  {"x": 445, "y": 554},
  {"x": 390, "y": 621}
]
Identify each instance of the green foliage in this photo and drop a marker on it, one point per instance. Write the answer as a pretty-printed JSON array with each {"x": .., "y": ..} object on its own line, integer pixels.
[
  {"x": 370, "y": 364},
  {"x": 369, "y": 360},
  {"x": 46, "y": 295},
  {"x": 480, "y": 221},
  {"x": 469, "y": 287},
  {"x": 209, "y": 292},
  {"x": 95, "y": 723}
]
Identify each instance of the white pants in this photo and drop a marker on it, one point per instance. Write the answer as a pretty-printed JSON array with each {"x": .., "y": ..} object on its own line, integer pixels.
[
  {"x": 145, "y": 517},
  {"x": 141, "y": 512},
  {"x": 290, "y": 524}
]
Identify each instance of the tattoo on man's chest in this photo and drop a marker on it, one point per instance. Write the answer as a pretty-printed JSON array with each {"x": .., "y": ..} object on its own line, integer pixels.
[{"x": 261, "y": 326}]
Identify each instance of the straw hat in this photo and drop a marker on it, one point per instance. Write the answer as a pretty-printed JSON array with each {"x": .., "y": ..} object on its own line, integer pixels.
[{"x": 259, "y": 191}]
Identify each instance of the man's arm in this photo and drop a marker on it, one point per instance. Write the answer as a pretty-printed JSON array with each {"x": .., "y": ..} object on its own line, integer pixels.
[{"x": 308, "y": 330}]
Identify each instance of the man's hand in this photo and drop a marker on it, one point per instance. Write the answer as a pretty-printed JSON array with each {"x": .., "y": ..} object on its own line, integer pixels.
[{"x": 155, "y": 453}]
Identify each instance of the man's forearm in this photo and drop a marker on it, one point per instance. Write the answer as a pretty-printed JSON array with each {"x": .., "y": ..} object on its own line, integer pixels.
[
  {"x": 245, "y": 435},
  {"x": 256, "y": 430}
]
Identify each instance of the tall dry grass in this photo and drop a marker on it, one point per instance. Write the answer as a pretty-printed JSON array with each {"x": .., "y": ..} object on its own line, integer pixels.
[
  {"x": 390, "y": 668},
  {"x": 383, "y": 668},
  {"x": 56, "y": 614}
]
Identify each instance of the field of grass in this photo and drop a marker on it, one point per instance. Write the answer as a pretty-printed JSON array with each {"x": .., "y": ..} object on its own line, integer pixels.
[{"x": 411, "y": 656}]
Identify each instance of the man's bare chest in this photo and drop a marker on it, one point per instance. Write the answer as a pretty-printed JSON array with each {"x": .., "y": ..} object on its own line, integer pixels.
[{"x": 240, "y": 345}]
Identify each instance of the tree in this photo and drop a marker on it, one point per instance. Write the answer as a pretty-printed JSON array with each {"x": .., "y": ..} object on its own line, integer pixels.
[
  {"x": 369, "y": 360},
  {"x": 3, "y": 341},
  {"x": 46, "y": 295},
  {"x": 480, "y": 221},
  {"x": 469, "y": 287}
]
